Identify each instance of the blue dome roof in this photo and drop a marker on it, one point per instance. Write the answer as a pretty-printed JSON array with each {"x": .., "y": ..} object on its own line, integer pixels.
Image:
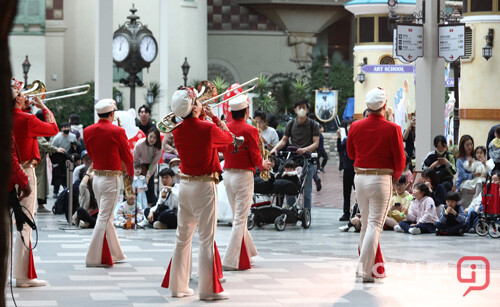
[{"x": 353, "y": 2}]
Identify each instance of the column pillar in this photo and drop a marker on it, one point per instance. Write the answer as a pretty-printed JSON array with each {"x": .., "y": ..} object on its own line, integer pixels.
[
  {"x": 429, "y": 89},
  {"x": 103, "y": 51}
]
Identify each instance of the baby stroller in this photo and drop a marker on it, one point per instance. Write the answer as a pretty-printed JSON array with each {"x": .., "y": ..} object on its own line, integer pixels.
[
  {"x": 272, "y": 210},
  {"x": 489, "y": 220}
]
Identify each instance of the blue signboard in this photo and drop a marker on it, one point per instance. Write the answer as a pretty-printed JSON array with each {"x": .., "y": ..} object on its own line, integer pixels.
[{"x": 388, "y": 69}]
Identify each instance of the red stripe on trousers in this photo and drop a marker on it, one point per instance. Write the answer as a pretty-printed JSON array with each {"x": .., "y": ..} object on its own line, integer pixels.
[
  {"x": 244, "y": 259},
  {"x": 31, "y": 266},
  {"x": 106, "y": 254},
  {"x": 166, "y": 279}
]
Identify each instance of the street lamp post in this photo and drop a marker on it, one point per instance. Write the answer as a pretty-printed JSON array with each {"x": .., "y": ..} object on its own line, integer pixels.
[
  {"x": 326, "y": 69},
  {"x": 118, "y": 98},
  {"x": 185, "y": 70},
  {"x": 150, "y": 97},
  {"x": 26, "y": 69},
  {"x": 488, "y": 49}
]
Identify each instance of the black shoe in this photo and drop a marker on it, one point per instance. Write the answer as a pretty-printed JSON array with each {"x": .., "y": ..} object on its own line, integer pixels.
[
  {"x": 318, "y": 184},
  {"x": 344, "y": 218},
  {"x": 438, "y": 233}
]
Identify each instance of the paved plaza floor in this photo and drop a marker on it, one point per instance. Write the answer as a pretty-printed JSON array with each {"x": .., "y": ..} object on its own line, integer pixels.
[{"x": 295, "y": 267}]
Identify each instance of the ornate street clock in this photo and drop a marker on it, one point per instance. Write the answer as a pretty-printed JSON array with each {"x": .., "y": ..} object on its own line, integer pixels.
[{"x": 134, "y": 48}]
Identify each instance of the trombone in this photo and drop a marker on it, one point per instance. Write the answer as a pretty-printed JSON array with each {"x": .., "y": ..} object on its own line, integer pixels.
[
  {"x": 37, "y": 88},
  {"x": 170, "y": 122}
]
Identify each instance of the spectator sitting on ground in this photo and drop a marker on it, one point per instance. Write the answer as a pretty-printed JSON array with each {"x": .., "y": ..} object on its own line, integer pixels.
[
  {"x": 438, "y": 192},
  {"x": 169, "y": 149},
  {"x": 86, "y": 215},
  {"x": 494, "y": 149},
  {"x": 86, "y": 162},
  {"x": 408, "y": 174},
  {"x": 399, "y": 205},
  {"x": 465, "y": 150},
  {"x": 354, "y": 222},
  {"x": 164, "y": 214},
  {"x": 125, "y": 216},
  {"x": 476, "y": 207},
  {"x": 452, "y": 220},
  {"x": 475, "y": 165},
  {"x": 442, "y": 161},
  {"x": 421, "y": 215}
]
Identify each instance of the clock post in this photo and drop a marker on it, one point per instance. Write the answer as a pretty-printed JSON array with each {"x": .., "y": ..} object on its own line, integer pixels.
[{"x": 134, "y": 48}]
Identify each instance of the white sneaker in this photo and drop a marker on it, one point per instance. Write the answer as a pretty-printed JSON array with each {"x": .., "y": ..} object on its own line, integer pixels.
[
  {"x": 188, "y": 292},
  {"x": 214, "y": 296},
  {"x": 414, "y": 231},
  {"x": 344, "y": 228},
  {"x": 26, "y": 283},
  {"x": 83, "y": 224},
  {"x": 398, "y": 228},
  {"x": 143, "y": 224}
]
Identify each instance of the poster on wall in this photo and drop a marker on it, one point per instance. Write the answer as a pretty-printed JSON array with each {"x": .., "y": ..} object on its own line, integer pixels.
[{"x": 326, "y": 103}]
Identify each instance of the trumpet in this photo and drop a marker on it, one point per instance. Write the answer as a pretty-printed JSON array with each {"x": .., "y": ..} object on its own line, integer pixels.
[
  {"x": 170, "y": 122},
  {"x": 37, "y": 88}
]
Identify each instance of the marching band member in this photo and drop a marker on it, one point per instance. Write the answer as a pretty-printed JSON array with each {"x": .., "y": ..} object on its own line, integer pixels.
[
  {"x": 197, "y": 142},
  {"x": 27, "y": 127},
  {"x": 239, "y": 169},
  {"x": 376, "y": 146},
  {"x": 107, "y": 146}
]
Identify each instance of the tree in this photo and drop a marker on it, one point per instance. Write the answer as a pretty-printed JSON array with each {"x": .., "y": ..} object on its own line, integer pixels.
[{"x": 265, "y": 99}]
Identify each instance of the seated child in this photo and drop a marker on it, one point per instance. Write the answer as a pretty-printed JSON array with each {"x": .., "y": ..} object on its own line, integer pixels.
[
  {"x": 288, "y": 182},
  {"x": 399, "y": 205},
  {"x": 354, "y": 222},
  {"x": 164, "y": 214},
  {"x": 476, "y": 207},
  {"x": 479, "y": 165},
  {"x": 494, "y": 149},
  {"x": 125, "y": 216},
  {"x": 452, "y": 220},
  {"x": 408, "y": 174},
  {"x": 262, "y": 186},
  {"x": 140, "y": 186},
  {"x": 421, "y": 215}
]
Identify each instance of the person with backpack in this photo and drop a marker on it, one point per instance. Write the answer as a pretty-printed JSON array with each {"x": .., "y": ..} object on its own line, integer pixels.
[{"x": 303, "y": 133}]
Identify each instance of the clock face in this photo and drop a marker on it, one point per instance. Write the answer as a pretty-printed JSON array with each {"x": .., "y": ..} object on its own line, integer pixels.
[
  {"x": 148, "y": 48},
  {"x": 121, "y": 48}
]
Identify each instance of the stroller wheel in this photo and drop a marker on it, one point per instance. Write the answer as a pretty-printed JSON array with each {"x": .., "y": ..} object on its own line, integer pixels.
[
  {"x": 306, "y": 218},
  {"x": 259, "y": 224},
  {"x": 251, "y": 222},
  {"x": 482, "y": 228},
  {"x": 494, "y": 231},
  {"x": 280, "y": 222}
]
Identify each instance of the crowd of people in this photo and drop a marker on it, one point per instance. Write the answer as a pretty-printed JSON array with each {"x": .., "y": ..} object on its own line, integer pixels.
[
  {"x": 445, "y": 198},
  {"x": 433, "y": 201}
]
